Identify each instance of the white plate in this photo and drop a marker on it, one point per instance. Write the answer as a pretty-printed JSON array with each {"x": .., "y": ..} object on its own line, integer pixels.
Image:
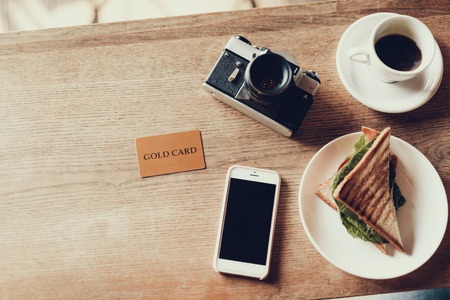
[
  {"x": 422, "y": 220},
  {"x": 385, "y": 97}
]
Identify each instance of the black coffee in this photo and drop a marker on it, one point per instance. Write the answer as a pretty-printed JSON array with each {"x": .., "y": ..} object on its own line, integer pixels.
[{"x": 398, "y": 52}]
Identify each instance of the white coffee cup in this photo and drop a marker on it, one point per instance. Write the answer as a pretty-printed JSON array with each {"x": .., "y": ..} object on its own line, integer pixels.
[{"x": 387, "y": 39}]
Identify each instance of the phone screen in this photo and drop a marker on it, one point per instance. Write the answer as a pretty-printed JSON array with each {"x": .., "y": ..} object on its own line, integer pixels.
[{"x": 248, "y": 217}]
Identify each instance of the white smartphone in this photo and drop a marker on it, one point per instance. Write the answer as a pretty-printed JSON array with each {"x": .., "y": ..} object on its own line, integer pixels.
[{"x": 247, "y": 222}]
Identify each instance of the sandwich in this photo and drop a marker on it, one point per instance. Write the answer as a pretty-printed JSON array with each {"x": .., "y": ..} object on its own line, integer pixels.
[{"x": 364, "y": 192}]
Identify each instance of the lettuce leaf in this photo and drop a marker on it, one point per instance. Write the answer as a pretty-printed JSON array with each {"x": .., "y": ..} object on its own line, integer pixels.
[
  {"x": 357, "y": 227},
  {"x": 358, "y": 146}
]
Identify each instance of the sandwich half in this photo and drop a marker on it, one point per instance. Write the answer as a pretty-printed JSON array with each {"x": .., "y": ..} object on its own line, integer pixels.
[{"x": 364, "y": 192}]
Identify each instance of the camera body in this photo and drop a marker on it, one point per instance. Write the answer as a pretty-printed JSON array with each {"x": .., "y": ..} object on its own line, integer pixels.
[{"x": 265, "y": 85}]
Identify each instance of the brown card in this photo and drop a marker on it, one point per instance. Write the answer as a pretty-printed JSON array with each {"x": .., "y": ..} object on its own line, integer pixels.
[{"x": 170, "y": 153}]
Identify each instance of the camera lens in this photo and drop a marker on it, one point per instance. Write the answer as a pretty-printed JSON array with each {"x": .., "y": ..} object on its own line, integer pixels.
[{"x": 267, "y": 77}]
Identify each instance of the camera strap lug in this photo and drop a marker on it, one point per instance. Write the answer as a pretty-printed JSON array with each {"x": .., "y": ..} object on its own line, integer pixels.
[{"x": 308, "y": 84}]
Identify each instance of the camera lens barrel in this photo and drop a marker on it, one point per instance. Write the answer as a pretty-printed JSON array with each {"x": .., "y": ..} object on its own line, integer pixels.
[{"x": 267, "y": 77}]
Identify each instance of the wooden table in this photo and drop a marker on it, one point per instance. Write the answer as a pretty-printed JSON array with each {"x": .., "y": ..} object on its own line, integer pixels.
[{"x": 77, "y": 221}]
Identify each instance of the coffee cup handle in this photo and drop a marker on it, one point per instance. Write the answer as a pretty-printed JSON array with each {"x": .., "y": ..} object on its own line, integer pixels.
[{"x": 358, "y": 54}]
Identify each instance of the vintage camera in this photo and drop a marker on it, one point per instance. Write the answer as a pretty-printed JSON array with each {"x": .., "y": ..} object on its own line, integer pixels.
[{"x": 265, "y": 85}]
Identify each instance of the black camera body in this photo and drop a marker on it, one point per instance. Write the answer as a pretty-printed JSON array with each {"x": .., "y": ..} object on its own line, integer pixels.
[{"x": 267, "y": 86}]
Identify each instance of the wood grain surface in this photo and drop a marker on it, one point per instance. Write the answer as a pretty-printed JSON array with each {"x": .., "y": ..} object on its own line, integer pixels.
[{"x": 78, "y": 222}]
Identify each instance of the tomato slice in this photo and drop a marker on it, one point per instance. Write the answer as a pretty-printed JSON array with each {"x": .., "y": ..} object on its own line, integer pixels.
[{"x": 343, "y": 163}]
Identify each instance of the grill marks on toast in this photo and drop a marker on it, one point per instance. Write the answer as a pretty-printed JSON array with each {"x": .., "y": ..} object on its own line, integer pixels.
[
  {"x": 324, "y": 193},
  {"x": 365, "y": 190},
  {"x": 371, "y": 187}
]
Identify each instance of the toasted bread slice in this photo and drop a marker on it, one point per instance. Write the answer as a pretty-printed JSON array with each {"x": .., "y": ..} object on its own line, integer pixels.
[
  {"x": 324, "y": 193},
  {"x": 365, "y": 190}
]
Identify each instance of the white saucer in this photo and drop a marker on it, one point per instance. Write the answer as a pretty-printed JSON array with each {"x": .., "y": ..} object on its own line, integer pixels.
[{"x": 385, "y": 97}]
